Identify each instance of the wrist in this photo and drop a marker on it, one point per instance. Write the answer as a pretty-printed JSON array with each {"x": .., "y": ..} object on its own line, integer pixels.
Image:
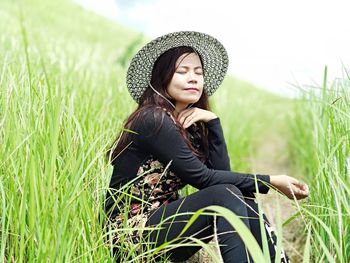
[
  {"x": 211, "y": 117},
  {"x": 273, "y": 180}
]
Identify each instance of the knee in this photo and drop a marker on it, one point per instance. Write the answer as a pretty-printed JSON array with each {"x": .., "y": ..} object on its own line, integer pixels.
[
  {"x": 232, "y": 190},
  {"x": 224, "y": 192},
  {"x": 228, "y": 189},
  {"x": 229, "y": 196}
]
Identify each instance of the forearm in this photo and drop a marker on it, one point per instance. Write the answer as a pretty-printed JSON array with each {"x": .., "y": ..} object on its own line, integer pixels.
[{"x": 218, "y": 157}]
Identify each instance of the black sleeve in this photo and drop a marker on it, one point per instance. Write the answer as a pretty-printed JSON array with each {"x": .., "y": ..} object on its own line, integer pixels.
[
  {"x": 218, "y": 157},
  {"x": 167, "y": 145}
]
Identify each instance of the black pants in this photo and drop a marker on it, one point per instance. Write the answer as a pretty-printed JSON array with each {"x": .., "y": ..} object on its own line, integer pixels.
[{"x": 231, "y": 246}]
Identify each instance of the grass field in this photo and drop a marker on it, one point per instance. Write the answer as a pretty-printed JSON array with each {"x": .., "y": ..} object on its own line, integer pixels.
[
  {"x": 63, "y": 100},
  {"x": 320, "y": 148}
]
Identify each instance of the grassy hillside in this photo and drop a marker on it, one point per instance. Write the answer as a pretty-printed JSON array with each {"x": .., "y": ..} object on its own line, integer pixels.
[{"x": 63, "y": 100}]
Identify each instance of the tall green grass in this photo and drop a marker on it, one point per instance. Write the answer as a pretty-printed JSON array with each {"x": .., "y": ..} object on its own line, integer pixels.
[
  {"x": 62, "y": 102},
  {"x": 56, "y": 102},
  {"x": 320, "y": 148}
]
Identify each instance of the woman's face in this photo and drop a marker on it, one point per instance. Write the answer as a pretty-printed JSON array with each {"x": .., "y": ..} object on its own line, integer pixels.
[{"x": 186, "y": 85}]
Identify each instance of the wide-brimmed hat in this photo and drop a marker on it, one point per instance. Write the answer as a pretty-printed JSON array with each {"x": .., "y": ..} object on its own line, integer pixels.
[{"x": 212, "y": 52}]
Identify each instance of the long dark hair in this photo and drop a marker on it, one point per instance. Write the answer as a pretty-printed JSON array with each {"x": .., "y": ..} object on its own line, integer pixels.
[{"x": 163, "y": 71}]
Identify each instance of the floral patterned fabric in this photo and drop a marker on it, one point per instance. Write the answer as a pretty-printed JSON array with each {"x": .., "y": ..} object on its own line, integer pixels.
[{"x": 156, "y": 186}]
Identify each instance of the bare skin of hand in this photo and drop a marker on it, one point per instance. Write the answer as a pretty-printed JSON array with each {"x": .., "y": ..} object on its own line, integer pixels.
[
  {"x": 189, "y": 116},
  {"x": 290, "y": 186}
]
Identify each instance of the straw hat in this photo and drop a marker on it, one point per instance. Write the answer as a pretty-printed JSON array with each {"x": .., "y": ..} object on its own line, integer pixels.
[{"x": 212, "y": 52}]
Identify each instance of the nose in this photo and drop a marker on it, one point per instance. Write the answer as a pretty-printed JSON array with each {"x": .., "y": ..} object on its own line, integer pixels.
[{"x": 192, "y": 77}]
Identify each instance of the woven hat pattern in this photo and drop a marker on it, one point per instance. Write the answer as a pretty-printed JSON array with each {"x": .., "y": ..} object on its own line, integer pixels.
[{"x": 212, "y": 52}]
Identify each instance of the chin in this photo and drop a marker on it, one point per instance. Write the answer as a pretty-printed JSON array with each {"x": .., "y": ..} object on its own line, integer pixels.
[{"x": 191, "y": 101}]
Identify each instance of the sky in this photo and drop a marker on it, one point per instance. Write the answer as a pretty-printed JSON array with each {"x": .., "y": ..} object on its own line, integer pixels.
[{"x": 274, "y": 44}]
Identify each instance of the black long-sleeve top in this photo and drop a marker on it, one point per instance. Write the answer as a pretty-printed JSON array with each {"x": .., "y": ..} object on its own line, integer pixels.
[{"x": 166, "y": 144}]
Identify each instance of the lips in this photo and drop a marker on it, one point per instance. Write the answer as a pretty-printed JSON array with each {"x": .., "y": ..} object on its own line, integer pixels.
[{"x": 192, "y": 89}]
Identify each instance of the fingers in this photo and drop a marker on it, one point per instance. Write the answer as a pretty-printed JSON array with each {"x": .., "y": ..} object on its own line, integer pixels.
[
  {"x": 303, "y": 188},
  {"x": 189, "y": 121},
  {"x": 300, "y": 190},
  {"x": 187, "y": 117},
  {"x": 292, "y": 188},
  {"x": 299, "y": 184},
  {"x": 305, "y": 191},
  {"x": 184, "y": 114}
]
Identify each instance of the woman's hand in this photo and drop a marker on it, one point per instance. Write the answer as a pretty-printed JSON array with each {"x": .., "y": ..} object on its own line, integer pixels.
[
  {"x": 189, "y": 116},
  {"x": 290, "y": 186}
]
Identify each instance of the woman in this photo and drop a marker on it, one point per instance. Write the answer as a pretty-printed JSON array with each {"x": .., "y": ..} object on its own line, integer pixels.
[{"x": 173, "y": 139}]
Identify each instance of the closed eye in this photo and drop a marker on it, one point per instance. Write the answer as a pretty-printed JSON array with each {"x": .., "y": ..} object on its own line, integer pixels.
[{"x": 182, "y": 71}]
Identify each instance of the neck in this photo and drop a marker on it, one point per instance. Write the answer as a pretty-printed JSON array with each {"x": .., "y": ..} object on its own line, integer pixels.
[{"x": 179, "y": 107}]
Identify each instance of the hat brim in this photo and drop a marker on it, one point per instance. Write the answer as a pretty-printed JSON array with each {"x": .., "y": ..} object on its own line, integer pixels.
[{"x": 212, "y": 52}]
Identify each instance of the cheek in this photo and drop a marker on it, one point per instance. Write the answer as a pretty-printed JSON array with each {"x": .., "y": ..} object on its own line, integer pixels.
[
  {"x": 201, "y": 81},
  {"x": 174, "y": 84},
  {"x": 171, "y": 89}
]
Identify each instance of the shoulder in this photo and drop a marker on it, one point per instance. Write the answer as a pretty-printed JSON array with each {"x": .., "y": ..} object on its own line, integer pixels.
[
  {"x": 153, "y": 119},
  {"x": 153, "y": 115},
  {"x": 150, "y": 114},
  {"x": 213, "y": 122}
]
